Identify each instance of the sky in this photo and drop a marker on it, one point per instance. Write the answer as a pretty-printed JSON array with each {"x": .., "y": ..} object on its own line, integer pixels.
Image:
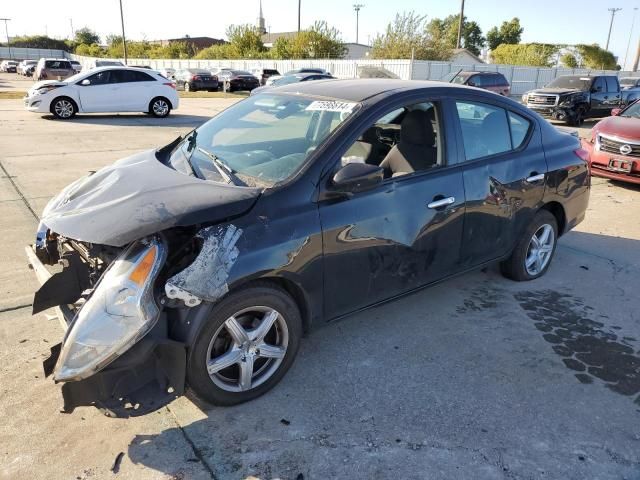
[{"x": 550, "y": 21}]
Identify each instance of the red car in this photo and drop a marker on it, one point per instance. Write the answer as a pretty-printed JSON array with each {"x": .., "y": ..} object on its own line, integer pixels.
[{"x": 614, "y": 145}]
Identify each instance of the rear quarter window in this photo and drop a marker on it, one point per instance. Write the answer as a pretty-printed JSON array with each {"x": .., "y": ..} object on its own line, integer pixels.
[{"x": 520, "y": 127}]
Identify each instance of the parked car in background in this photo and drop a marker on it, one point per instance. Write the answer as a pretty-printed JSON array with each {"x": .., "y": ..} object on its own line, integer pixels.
[
  {"x": 147, "y": 67},
  {"x": 168, "y": 72},
  {"x": 53, "y": 69},
  {"x": 77, "y": 66},
  {"x": 288, "y": 79},
  {"x": 614, "y": 145},
  {"x": 105, "y": 63},
  {"x": 629, "y": 82},
  {"x": 234, "y": 80},
  {"x": 194, "y": 79},
  {"x": 104, "y": 89},
  {"x": 9, "y": 66},
  {"x": 25, "y": 66},
  {"x": 572, "y": 98},
  {"x": 263, "y": 74},
  {"x": 203, "y": 262},
  {"x": 492, "y": 81},
  {"x": 321, "y": 71}
]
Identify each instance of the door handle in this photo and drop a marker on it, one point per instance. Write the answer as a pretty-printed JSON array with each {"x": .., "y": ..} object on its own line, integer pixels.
[
  {"x": 443, "y": 202},
  {"x": 535, "y": 177}
]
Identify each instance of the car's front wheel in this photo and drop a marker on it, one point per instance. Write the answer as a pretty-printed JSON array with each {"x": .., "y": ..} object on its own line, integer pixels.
[
  {"x": 535, "y": 249},
  {"x": 188, "y": 88},
  {"x": 63, "y": 108},
  {"x": 159, "y": 107},
  {"x": 246, "y": 346}
]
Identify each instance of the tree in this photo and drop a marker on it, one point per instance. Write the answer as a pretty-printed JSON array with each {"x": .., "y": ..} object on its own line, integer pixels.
[
  {"x": 407, "y": 35},
  {"x": 509, "y": 33},
  {"x": 445, "y": 32},
  {"x": 569, "y": 60},
  {"x": 531, "y": 54},
  {"x": 39, "y": 41},
  {"x": 92, "y": 50},
  {"x": 86, "y": 36},
  {"x": 593, "y": 56},
  {"x": 245, "y": 41}
]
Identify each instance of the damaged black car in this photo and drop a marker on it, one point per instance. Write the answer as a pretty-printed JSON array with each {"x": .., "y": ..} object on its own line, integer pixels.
[{"x": 203, "y": 263}]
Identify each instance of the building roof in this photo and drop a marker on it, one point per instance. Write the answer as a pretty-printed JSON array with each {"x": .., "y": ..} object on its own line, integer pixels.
[
  {"x": 458, "y": 51},
  {"x": 272, "y": 37}
]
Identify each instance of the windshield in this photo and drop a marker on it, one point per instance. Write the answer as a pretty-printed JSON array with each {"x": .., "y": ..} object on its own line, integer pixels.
[
  {"x": 633, "y": 111},
  {"x": 578, "y": 83},
  {"x": 286, "y": 80},
  {"x": 260, "y": 141}
]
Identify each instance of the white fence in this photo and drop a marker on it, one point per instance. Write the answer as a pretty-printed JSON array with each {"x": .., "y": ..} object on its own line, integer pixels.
[{"x": 521, "y": 79}]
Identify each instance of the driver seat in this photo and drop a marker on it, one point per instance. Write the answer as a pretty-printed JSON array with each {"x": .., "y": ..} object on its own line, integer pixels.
[{"x": 415, "y": 151}]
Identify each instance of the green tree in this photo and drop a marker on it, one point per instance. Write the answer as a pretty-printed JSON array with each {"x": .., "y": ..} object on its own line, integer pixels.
[
  {"x": 593, "y": 56},
  {"x": 245, "y": 41},
  {"x": 86, "y": 36},
  {"x": 509, "y": 33},
  {"x": 531, "y": 54},
  {"x": 92, "y": 50},
  {"x": 445, "y": 32},
  {"x": 39, "y": 41},
  {"x": 569, "y": 60},
  {"x": 407, "y": 35}
]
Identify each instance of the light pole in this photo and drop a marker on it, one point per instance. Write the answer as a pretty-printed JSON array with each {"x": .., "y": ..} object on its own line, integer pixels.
[
  {"x": 357, "y": 7},
  {"x": 6, "y": 29},
  {"x": 635, "y": 9},
  {"x": 458, "y": 43},
  {"x": 299, "y": 5},
  {"x": 613, "y": 14},
  {"x": 71, "y": 24},
  {"x": 124, "y": 42}
]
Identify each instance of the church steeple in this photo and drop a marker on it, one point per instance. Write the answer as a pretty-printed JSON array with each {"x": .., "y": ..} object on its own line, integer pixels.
[{"x": 260, "y": 24}]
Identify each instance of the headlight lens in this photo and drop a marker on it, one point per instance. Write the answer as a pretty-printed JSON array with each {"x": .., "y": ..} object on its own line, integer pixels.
[
  {"x": 46, "y": 89},
  {"x": 120, "y": 312}
]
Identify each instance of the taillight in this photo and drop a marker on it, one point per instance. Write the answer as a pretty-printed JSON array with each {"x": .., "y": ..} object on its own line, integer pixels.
[
  {"x": 170, "y": 84},
  {"x": 214, "y": 78},
  {"x": 195, "y": 77}
]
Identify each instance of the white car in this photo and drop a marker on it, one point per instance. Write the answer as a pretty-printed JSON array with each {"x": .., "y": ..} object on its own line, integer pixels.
[{"x": 106, "y": 89}]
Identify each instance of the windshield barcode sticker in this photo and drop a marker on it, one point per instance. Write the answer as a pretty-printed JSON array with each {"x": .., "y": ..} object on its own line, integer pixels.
[{"x": 331, "y": 106}]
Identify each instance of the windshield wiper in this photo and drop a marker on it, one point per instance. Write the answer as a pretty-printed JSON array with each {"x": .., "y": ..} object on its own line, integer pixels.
[{"x": 225, "y": 171}]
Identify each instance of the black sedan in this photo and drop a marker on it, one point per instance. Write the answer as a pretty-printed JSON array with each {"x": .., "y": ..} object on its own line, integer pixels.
[
  {"x": 236, "y": 80},
  {"x": 194, "y": 79},
  {"x": 203, "y": 262},
  {"x": 289, "y": 79}
]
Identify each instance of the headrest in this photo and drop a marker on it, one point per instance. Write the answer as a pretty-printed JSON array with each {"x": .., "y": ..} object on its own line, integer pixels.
[{"x": 416, "y": 128}]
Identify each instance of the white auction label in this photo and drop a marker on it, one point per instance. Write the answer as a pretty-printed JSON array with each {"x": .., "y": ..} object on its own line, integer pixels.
[{"x": 331, "y": 106}]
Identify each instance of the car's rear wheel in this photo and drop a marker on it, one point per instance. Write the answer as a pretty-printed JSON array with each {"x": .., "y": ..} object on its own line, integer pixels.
[
  {"x": 535, "y": 249},
  {"x": 63, "y": 108},
  {"x": 159, "y": 107},
  {"x": 246, "y": 346},
  {"x": 187, "y": 87}
]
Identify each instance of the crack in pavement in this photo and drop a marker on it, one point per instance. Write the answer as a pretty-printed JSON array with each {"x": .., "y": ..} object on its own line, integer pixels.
[
  {"x": 15, "y": 307},
  {"x": 19, "y": 192}
]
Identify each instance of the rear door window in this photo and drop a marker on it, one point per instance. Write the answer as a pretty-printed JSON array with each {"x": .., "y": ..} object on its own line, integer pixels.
[
  {"x": 612, "y": 84},
  {"x": 489, "y": 80},
  {"x": 485, "y": 130}
]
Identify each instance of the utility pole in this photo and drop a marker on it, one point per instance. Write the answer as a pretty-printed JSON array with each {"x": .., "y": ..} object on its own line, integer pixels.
[
  {"x": 124, "y": 42},
  {"x": 6, "y": 29},
  {"x": 357, "y": 7},
  {"x": 459, "y": 42},
  {"x": 635, "y": 62},
  {"x": 613, "y": 14},
  {"x": 633, "y": 22},
  {"x": 71, "y": 24},
  {"x": 299, "y": 2}
]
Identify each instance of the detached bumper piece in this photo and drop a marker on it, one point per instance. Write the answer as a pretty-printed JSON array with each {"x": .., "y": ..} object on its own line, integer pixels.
[{"x": 142, "y": 380}]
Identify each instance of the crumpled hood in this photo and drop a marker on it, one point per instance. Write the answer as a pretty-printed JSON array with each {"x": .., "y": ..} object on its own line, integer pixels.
[
  {"x": 138, "y": 196},
  {"x": 556, "y": 91},
  {"x": 43, "y": 83}
]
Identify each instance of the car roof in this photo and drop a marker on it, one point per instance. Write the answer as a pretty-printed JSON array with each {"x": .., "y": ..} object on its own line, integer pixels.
[
  {"x": 119, "y": 67},
  {"x": 357, "y": 90},
  {"x": 476, "y": 73}
]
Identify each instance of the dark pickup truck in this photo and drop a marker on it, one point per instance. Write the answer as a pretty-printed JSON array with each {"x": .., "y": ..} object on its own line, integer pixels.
[{"x": 572, "y": 98}]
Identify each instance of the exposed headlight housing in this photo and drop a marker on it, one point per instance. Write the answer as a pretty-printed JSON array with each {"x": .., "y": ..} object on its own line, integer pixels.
[
  {"x": 46, "y": 89},
  {"x": 525, "y": 98},
  {"x": 120, "y": 312}
]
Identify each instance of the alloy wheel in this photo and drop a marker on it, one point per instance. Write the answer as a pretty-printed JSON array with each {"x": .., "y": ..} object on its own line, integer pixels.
[
  {"x": 247, "y": 349},
  {"x": 540, "y": 249},
  {"x": 160, "y": 107},
  {"x": 63, "y": 108}
]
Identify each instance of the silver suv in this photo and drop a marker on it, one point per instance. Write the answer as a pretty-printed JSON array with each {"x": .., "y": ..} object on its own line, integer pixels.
[{"x": 53, "y": 69}]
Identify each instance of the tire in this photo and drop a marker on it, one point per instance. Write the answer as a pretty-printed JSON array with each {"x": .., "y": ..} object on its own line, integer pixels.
[
  {"x": 245, "y": 308},
  {"x": 187, "y": 87},
  {"x": 517, "y": 267},
  {"x": 63, "y": 108},
  {"x": 159, "y": 107},
  {"x": 577, "y": 120}
]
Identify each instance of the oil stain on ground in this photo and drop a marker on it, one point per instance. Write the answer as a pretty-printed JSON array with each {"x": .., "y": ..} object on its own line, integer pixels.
[{"x": 585, "y": 345}]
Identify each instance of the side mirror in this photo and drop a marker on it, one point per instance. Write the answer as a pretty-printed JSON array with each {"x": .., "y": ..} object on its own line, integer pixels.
[
  {"x": 616, "y": 111},
  {"x": 357, "y": 177},
  {"x": 85, "y": 82}
]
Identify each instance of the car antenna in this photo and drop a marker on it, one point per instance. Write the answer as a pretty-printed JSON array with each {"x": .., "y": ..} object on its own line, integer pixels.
[{"x": 454, "y": 76}]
